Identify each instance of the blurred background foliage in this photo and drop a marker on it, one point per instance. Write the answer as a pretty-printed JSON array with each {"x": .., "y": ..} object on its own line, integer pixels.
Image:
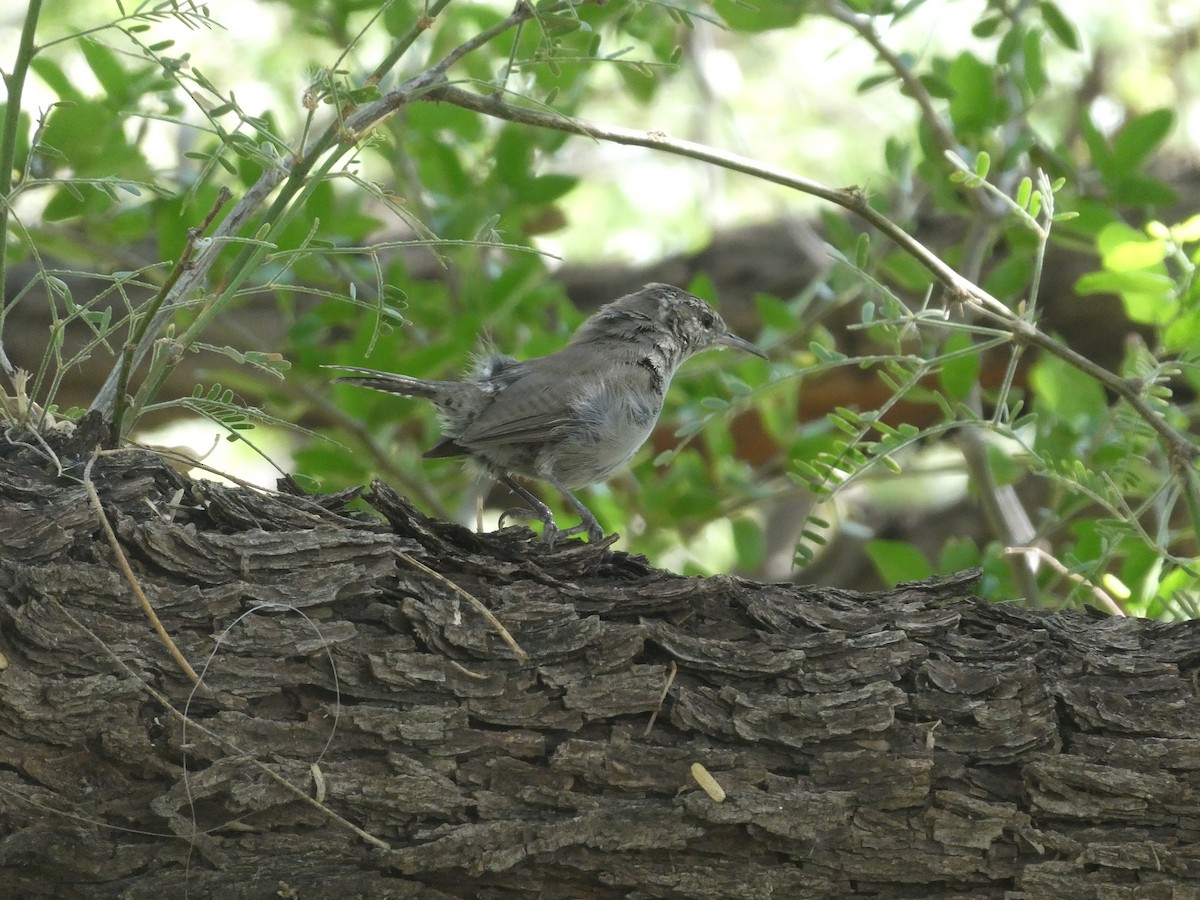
[{"x": 897, "y": 432}]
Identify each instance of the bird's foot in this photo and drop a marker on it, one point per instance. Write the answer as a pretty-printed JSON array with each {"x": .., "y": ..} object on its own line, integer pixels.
[
  {"x": 518, "y": 512},
  {"x": 540, "y": 511},
  {"x": 550, "y": 531},
  {"x": 589, "y": 524}
]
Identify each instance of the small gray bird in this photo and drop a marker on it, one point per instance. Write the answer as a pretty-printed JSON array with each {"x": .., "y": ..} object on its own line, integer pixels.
[{"x": 576, "y": 416}]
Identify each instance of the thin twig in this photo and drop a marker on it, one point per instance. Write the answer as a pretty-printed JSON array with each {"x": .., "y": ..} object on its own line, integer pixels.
[
  {"x": 150, "y": 313},
  {"x": 483, "y": 610},
  {"x": 1102, "y": 597},
  {"x": 14, "y": 83},
  {"x": 191, "y": 279},
  {"x": 127, "y": 571},
  {"x": 671, "y": 673},
  {"x": 864, "y": 25},
  {"x": 1005, "y": 514}
]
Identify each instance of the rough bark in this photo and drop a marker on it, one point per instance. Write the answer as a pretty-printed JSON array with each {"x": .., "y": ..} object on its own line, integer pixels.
[{"x": 911, "y": 743}]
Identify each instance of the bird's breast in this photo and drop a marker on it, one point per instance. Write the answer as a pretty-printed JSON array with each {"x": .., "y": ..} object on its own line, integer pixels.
[{"x": 615, "y": 418}]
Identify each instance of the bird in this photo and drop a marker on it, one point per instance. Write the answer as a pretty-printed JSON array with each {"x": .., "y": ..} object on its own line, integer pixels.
[{"x": 576, "y": 416}]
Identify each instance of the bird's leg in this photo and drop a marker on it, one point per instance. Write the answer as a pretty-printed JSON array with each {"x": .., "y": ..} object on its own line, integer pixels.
[
  {"x": 588, "y": 523},
  {"x": 536, "y": 510}
]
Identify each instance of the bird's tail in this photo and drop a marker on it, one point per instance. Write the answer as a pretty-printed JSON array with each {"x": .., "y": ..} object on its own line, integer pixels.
[{"x": 389, "y": 382}]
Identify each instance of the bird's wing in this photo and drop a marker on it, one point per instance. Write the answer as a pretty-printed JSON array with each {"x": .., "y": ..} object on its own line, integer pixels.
[
  {"x": 554, "y": 396},
  {"x": 530, "y": 410}
]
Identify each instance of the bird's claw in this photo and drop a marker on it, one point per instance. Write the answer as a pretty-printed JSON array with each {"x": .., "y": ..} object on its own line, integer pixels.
[
  {"x": 518, "y": 512},
  {"x": 590, "y": 526},
  {"x": 550, "y": 531}
]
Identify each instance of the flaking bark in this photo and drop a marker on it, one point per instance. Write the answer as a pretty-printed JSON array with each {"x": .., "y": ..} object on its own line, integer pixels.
[{"x": 911, "y": 743}]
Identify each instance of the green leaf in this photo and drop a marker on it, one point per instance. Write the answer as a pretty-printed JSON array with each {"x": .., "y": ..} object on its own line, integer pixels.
[
  {"x": 959, "y": 374},
  {"x": 862, "y": 250},
  {"x": 1102, "y": 156},
  {"x": 906, "y": 271},
  {"x": 1134, "y": 255},
  {"x": 1060, "y": 26},
  {"x": 108, "y": 71},
  {"x": 936, "y": 86},
  {"x": 871, "y": 82},
  {"x": 92, "y": 138},
  {"x": 1148, "y": 296},
  {"x": 1183, "y": 334},
  {"x": 762, "y": 15},
  {"x": 69, "y": 201},
  {"x": 775, "y": 313},
  {"x": 1140, "y": 191},
  {"x": 825, "y": 354},
  {"x": 56, "y": 79},
  {"x": 1140, "y": 137},
  {"x": 975, "y": 104},
  {"x": 1035, "y": 71},
  {"x": 1155, "y": 306},
  {"x": 1035, "y": 203},
  {"x": 983, "y": 162},
  {"x": 1187, "y": 232},
  {"x": 1024, "y": 190},
  {"x": 1012, "y": 42},
  {"x": 1005, "y": 469},
  {"x": 750, "y": 543},
  {"x": 513, "y": 155},
  {"x": 814, "y": 537},
  {"x": 897, "y": 155},
  {"x": 548, "y": 188},
  {"x": 987, "y": 26},
  {"x": 1010, "y": 277},
  {"x": 958, "y": 554},
  {"x": 898, "y": 561},
  {"x": 1126, "y": 249},
  {"x": 367, "y": 94},
  {"x": 1066, "y": 394},
  {"x": 555, "y": 25},
  {"x": 436, "y": 119}
]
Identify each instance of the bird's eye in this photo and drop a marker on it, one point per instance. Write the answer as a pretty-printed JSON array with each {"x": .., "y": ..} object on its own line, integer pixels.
[{"x": 707, "y": 319}]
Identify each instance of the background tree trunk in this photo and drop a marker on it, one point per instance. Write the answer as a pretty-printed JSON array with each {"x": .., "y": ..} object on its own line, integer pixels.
[{"x": 911, "y": 743}]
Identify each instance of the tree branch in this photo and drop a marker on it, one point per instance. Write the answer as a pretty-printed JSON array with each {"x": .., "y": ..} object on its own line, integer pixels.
[
  {"x": 962, "y": 290},
  {"x": 14, "y": 82},
  {"x": 295, "y": 170}
]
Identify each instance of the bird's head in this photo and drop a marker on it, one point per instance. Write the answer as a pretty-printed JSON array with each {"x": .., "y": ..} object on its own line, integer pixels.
[{"x": 663, "y": 309}]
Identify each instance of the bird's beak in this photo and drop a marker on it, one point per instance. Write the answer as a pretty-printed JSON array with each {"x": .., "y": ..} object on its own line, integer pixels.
[{"x": 732, "y": 340}]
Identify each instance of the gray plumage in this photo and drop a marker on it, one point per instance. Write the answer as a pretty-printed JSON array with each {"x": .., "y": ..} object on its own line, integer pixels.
[{"x": 574, "y": 417}]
